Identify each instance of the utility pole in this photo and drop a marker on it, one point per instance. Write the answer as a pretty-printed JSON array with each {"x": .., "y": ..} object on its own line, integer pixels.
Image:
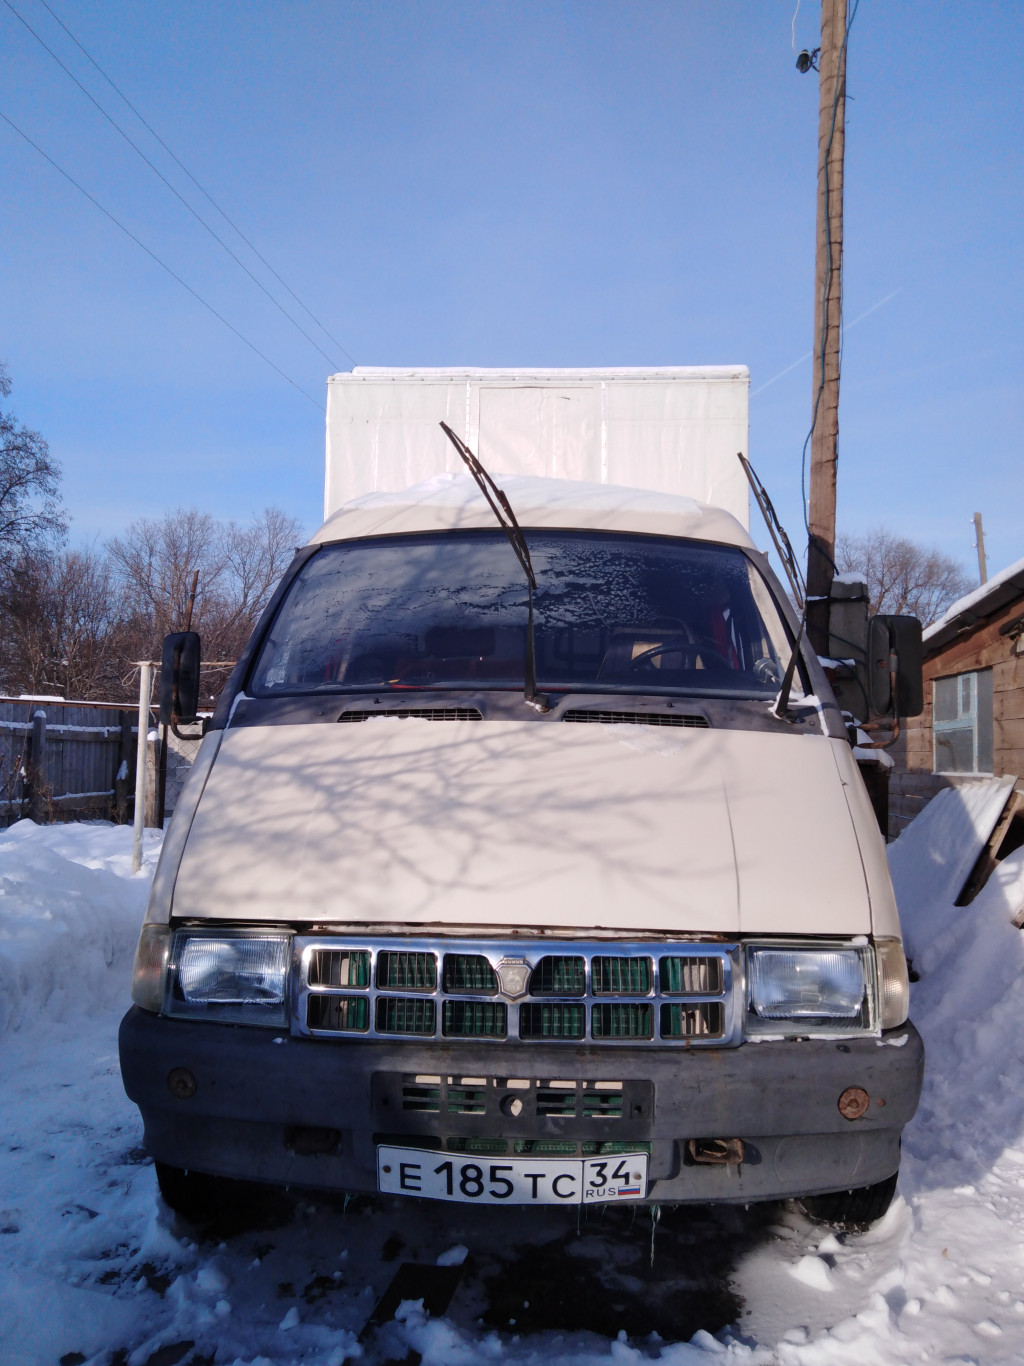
[
  {"x": 828, "y": 298},
  {"x": 980, "y": 544}
]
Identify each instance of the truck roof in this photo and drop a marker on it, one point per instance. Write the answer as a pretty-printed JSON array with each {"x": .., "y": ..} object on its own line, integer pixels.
[{"x": 449, "y": 502}]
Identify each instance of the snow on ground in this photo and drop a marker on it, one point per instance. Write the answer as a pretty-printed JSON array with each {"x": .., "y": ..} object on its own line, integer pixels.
[{"x": 94, "y": 1268}]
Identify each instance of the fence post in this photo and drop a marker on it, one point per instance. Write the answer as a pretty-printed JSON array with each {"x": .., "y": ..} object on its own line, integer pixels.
[
  {"x": 145, "y": 688},
  {"x": 125, "y": 764},
  {"x": 35, "y": 767},
  {"x": 153, "y": 782}
]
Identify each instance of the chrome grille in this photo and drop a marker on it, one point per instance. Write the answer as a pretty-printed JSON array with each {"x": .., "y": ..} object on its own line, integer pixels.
[{"x": 564, "y": 993}]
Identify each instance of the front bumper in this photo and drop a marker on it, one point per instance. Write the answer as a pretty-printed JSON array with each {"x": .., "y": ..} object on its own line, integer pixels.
[{"x": 271, "y": 1107}]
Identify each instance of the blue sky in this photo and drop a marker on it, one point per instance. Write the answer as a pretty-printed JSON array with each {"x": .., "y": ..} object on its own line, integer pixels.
[{"x": 580, "y": 183}]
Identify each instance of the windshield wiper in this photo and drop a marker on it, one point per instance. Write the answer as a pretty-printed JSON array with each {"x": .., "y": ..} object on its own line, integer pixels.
[
  {"x": 502, "y": 510},
  {"x": 780, "y": 707}
]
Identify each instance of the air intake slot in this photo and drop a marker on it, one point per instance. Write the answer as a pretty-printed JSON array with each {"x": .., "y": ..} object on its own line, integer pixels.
[
  {"x": 556, "y": 1104},
  {"x": 620, "y": 976},
  {"x": 632, "y": 1020},
  {"x": 406, "y": 971},
  {"x": 702, "y": 1020},
  {"x": 402, "y": 1015},
  {"x": 542, "y": 1020},
  {"x": 339, "y": 1014},
  {"x": 424, "y": 1100},
  {"x": 475, "y": 1020},
  {"x": 637, "y": 718},
  {"x": 469, "y": 973},
  {"x": 462, "y": 1100},
  {"x": 691, "y": 976},
  {"x": 602, "y": 1104},
  {"x": 557, "y": 976},
  {"x": 338, "y": 968},
  {"x": 421, "y": 713}
]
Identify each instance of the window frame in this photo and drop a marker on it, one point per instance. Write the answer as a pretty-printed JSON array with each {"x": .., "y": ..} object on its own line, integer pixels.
[{"x": 975, "y": 717}]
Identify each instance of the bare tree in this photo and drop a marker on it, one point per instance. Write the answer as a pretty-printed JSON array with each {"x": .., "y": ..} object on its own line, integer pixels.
[
  {"x": 76, "y": 622},
  {"x": 31, "y": 512},
  {"x": 902, "y": 576},
  {"x": 155, "y": 560},
  {"x": 61, "y": 618},
  {"x": 238, "y": 567}
]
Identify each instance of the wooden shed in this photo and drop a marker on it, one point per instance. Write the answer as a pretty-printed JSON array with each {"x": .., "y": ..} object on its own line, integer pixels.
[{"x": 972, "y": 725}]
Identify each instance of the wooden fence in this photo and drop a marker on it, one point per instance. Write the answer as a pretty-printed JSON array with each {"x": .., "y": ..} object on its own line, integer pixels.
[{"x": 64, "y": 761}]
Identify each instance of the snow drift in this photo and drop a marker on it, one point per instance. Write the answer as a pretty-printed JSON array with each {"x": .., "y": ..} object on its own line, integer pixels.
[{"x": 94, "y": 1268}]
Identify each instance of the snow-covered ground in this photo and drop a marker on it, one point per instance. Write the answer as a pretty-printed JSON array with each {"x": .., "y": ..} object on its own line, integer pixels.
[{"x": 94, "y": 1268}]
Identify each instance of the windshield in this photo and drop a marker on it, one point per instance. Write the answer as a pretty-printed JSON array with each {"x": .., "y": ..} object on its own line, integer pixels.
[{"x": 614, "y": 613}]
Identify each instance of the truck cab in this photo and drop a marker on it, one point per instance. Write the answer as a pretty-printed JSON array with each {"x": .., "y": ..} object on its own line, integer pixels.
[{"x": 635, "y": 942}]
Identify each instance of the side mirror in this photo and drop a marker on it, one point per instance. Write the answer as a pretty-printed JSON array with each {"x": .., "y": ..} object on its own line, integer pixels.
[
  {"x": 179, "y": 678},
  {"x": 895, "y": 654}
]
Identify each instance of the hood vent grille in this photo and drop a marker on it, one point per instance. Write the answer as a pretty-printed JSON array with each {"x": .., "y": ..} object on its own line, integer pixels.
[
  {"x": 637, "y": 718},
  {"x": 421, "y": 713}
]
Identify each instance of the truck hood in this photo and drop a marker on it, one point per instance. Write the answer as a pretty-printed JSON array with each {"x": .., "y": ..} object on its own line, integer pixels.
[{"x": 519, "y": 824}]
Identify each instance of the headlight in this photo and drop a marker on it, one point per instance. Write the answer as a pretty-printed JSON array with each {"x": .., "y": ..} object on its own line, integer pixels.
[
  {"x": 823, "y": 986},
  {"x": 893, "y": 983},
  {"x": 150, "y": 967},
  {"x": 236, "y": 978}
]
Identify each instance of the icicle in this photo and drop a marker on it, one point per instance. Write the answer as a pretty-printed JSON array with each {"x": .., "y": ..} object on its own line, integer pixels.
[{"x": 655, "y": 1221}]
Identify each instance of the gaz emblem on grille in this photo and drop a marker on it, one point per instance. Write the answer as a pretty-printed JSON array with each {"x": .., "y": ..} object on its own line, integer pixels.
[{"x": 513, "y": 974}]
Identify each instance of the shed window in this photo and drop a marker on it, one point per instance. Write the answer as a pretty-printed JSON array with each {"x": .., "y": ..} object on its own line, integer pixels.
[{"x": 962, "y": 723}]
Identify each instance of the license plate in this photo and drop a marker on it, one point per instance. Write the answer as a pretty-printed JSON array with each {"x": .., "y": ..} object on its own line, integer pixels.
[{"x": 511, "y": 1181}]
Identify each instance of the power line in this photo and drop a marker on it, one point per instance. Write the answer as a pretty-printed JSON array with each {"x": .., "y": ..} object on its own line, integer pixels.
[
  {"x": 202, "y": 190},
  {"x": 157, "y": 172},
  {"x": 163, "y": 264}
]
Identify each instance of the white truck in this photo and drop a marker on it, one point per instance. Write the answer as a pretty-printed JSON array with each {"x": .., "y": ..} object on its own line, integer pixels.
[{"x": 501, "y": 895}]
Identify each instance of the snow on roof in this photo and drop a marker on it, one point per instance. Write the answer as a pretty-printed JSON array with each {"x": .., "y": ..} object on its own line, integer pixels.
[
  {"x": 981, "y": 601},
  {"x": 448, "y": 502}
]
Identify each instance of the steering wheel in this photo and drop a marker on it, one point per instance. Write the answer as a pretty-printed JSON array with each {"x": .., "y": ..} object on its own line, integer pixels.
[{"x": 689, "y": 652}]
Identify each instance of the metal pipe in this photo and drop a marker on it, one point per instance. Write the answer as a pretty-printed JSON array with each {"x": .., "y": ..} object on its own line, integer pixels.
[{"x": 145, "y": 688}]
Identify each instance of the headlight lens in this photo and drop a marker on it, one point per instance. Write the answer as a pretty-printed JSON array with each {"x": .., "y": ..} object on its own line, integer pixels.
[
  {"x": 806, "y": 984},
  {"x": 238, "y": 978},
  {"x": 893, "y": 983},
  {"x": 151, "y": 967}
]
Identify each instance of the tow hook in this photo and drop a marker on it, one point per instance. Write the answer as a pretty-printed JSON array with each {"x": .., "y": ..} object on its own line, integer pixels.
[{"x": 716, "y": 1152}]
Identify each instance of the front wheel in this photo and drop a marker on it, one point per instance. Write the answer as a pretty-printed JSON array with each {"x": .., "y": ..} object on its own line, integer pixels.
[
  {"x": 196, "y": 1196},
  {"x": 853, "y": 1210}
]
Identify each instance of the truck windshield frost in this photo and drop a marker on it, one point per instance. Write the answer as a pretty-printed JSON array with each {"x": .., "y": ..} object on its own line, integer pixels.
[{"x": 613, "y": 612}]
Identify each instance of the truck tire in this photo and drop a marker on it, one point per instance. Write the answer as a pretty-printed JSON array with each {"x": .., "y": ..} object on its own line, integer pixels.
[
  {"x": 197, "y": 1197},
  {"x": 853, "y": 1210}
]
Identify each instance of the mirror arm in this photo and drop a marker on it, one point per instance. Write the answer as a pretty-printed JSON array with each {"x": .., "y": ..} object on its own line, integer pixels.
[{"x": 894, "y": 669}]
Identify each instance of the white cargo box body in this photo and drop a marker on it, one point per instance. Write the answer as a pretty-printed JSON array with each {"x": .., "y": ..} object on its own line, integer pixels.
[{"x": 670, "y": 430}]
